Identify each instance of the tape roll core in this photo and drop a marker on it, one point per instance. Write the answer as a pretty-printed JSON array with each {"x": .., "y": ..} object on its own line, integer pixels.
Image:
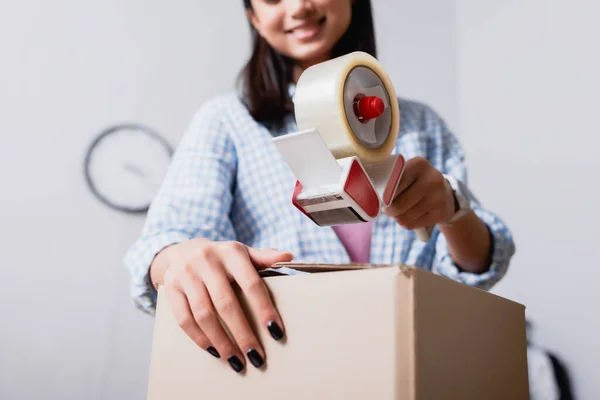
[
  {"x": 364, "y": 82},
  {"x": 324, "y": 100}
]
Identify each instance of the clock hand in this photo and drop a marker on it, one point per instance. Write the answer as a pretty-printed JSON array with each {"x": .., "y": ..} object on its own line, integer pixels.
[
  {"x": 150, "y": 181},
  {"x": 134, "y": 170}
]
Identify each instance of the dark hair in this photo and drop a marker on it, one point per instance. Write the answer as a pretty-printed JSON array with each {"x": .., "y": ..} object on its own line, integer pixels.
[{"x": 267, "y": 73}]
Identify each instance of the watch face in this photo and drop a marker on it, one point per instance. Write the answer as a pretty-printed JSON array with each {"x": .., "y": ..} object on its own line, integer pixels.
[{"x": 125, "y": 166}]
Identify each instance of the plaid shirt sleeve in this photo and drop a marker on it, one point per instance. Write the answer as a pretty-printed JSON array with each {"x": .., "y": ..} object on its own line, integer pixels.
[
  {"x": 503, "y": 246},
  {"x": 193, "y": 201}
]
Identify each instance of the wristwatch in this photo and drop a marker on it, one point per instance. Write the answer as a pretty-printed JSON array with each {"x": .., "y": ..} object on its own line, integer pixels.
[{"x": 462, "y": 197}]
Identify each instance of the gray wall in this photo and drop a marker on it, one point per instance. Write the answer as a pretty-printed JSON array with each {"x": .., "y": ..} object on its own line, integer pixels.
[
  {"x": 68, "y": 70},
  {"x": 528, "y": 99}
]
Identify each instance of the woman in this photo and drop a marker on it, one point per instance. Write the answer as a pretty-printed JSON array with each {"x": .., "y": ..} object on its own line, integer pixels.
[{"x": 225, "y": 203}]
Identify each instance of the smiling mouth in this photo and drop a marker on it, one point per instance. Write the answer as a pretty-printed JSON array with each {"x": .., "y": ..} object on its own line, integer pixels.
[{"x": 319, "y": 23}]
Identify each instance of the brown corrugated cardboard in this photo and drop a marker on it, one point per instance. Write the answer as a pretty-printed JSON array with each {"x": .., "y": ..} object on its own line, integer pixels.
[{"x": 360, "y": 332}]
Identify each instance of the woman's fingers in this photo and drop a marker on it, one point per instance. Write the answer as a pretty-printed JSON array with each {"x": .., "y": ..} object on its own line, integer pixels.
[
  {"x": 407, "y": 199},
  {"x": 265, "y": 258},
  {"x": 230, "y": 311},
  {"x": 183, "y": 316},
  {"x": 427, "y": 219},
  {"x": 408, "y": 217},
  {"x": 207, "y": 308},
  {"x": 423, "y": 214},
  {"x": 206, "y": 318},
  {"x": 254, "y": 288}
]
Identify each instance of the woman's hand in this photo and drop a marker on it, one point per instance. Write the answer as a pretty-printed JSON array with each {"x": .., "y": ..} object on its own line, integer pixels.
[
  {"x": 424, "y": 198},
  {"x": 197, "y": 283}
]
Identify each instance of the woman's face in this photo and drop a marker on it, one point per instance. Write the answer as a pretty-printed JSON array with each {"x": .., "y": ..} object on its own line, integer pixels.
[{"x": 304, "y": 30}]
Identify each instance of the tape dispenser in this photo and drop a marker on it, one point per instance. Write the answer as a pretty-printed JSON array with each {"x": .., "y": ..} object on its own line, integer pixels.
[{"x": 348, "y": 120}]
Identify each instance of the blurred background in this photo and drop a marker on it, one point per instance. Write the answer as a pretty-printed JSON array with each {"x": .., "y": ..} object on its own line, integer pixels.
[{"x": 517, "y": 81}]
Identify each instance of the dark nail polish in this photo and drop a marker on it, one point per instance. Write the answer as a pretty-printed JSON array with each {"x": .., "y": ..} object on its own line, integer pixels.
[
  {"x": 275, "y": 330},
  {"x": 255, "y": 358},
  {"x": 213, "y": 351},
  {"x": 235, "y": 363}
]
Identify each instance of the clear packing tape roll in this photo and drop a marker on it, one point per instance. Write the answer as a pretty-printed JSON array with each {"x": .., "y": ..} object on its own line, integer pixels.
[{"x": 348, "y": 121}]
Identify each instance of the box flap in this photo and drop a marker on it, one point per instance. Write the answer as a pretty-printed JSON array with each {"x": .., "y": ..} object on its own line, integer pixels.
[{"x": 319, "y": 268}]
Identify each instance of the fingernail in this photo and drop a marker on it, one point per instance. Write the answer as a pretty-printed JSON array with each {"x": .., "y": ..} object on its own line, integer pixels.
[
  {"x": 213, "y": 351},
  {"x": 235, "y": 363},
  {"x": 255, "y": 358},
  {"x": 275, "y": 330}
]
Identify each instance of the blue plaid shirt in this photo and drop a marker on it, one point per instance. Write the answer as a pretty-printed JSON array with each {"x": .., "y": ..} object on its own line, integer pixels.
[{"x": 227, "y": 181}]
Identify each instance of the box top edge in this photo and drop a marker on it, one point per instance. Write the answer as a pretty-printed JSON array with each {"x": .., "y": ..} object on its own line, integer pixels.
[{"x": 324, "y": 267}]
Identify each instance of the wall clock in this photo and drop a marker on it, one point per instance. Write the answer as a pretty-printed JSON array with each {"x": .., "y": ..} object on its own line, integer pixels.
[{"x": 125, "y": 165}]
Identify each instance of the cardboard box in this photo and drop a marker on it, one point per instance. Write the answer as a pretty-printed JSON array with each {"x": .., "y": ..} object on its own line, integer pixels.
[{"x": 360, "y": 332}]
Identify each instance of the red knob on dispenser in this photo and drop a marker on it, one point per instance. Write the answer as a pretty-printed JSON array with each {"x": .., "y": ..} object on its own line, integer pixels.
[{"x": 368, "y": 107}]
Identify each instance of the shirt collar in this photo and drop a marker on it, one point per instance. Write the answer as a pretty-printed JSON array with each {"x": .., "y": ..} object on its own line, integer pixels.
[{"x": 292, "y": 90}]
